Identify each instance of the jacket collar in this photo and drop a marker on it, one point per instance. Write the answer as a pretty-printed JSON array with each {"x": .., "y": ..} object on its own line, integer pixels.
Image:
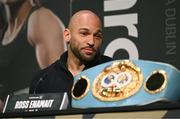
[{"x": 64, "y": 56}]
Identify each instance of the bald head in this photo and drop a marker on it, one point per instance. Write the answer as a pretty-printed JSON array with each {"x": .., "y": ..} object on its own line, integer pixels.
[
  {"x": 83, "y": 15},
  {"x": 84, "y": 36}
]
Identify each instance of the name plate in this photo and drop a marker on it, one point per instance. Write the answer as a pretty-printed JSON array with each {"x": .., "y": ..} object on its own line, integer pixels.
[{"x": 36, "y": 102}]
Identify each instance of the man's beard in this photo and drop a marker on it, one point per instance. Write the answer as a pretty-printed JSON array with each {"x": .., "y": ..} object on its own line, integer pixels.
[{"x": 83, "y": 58}]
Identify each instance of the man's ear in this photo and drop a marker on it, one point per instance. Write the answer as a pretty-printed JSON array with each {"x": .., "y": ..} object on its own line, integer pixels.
[{"x": 67, "y": 35}]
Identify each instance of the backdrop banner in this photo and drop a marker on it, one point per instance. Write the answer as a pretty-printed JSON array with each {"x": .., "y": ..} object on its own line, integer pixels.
[
  {"x": 133, "y": 29},
  {"x": 138, "y": 29}
]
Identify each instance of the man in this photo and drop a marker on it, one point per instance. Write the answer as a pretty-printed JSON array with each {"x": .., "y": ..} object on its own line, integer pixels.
[{"x": 84, "y": 39}]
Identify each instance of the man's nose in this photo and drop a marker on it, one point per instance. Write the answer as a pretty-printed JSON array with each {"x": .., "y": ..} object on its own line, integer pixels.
[{"x": 91, "y": 41}]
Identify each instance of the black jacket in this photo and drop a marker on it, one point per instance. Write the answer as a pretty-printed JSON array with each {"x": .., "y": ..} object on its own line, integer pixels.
[{"x": 57, "y": 78}]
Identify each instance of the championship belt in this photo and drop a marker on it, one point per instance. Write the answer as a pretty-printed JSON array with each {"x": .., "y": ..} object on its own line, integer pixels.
[{"x": 125, "y": 83}]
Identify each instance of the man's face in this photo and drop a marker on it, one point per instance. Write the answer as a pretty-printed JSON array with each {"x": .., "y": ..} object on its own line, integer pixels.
[{"x": 86, "y": 38}]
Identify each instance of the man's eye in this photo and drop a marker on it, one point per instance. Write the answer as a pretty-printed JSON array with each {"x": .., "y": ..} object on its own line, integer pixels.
[
  {"x": 84, "y": 33},
  {"x": 98, "y": 36}
]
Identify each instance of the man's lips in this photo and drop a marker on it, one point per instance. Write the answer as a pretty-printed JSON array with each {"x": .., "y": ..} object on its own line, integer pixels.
[{"x": 88, "y": 50}]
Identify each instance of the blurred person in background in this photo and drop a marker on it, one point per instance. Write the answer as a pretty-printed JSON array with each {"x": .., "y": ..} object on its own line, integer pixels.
[{"x": 31, "y": 38}]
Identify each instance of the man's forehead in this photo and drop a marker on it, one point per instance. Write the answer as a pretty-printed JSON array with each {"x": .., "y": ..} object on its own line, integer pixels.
[
  {"x": 83, "y": 16},
  {"x": 84, "y": 13},
  {"x": 98, "y": 30}
]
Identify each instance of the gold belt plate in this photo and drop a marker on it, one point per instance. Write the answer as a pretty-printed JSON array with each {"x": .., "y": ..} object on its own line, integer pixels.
[{"x": 119, "y": 81}]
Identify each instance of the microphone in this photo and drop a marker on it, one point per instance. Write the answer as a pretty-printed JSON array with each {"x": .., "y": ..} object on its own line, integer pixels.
[
  {"x": 38, "y": 82},
  {"x": 64, "y": 99}
]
